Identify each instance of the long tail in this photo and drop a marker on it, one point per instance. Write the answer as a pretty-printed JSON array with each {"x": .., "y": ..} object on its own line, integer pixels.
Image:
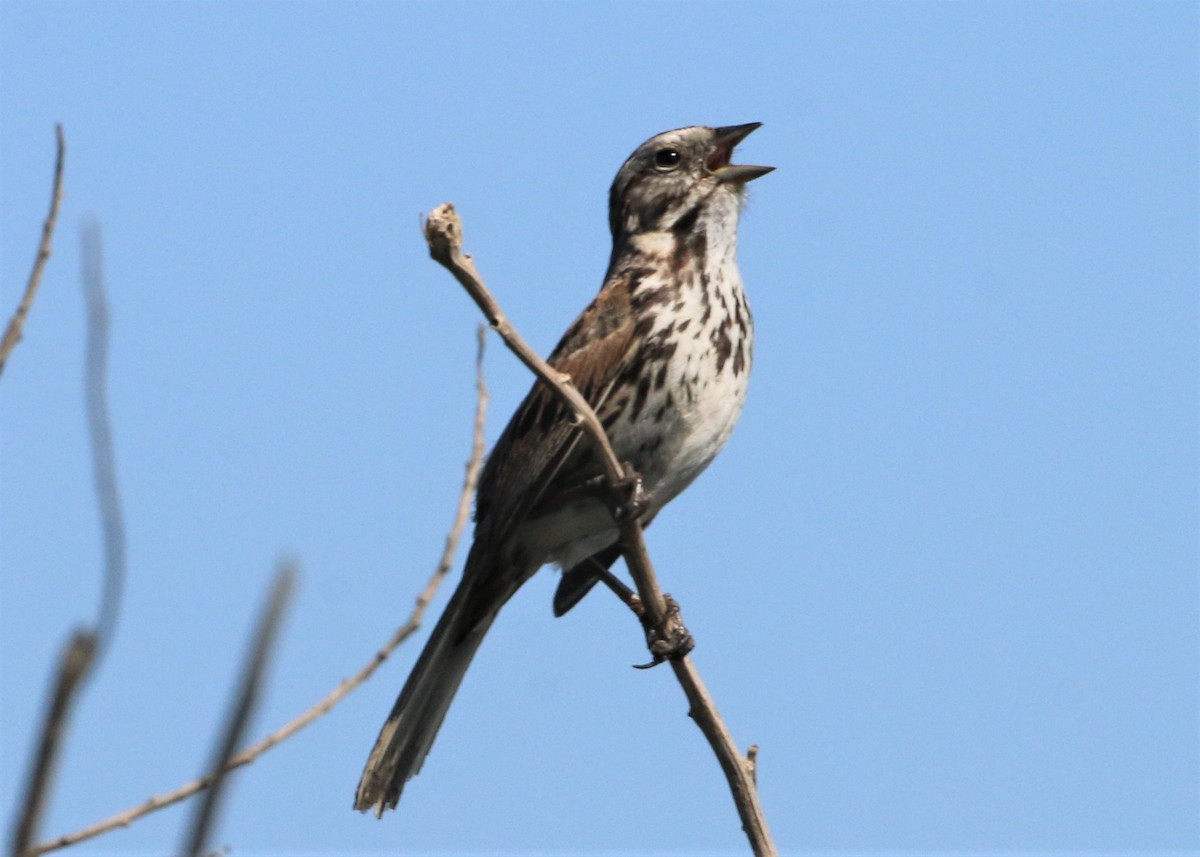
[{"x": 408, "y": 733}]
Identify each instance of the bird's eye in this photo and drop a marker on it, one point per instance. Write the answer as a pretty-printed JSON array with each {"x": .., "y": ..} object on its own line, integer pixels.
[{"x": 667, "y": 159}]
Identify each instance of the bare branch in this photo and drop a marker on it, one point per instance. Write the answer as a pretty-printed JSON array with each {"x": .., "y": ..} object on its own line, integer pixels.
[
  {"x": 443, "y": 231},
  {"x": 16, "y": 324},
  {"x": 245, "y": 702},
  {"x": 347, "y": 686},
  {"x": 740, "y": 772}
]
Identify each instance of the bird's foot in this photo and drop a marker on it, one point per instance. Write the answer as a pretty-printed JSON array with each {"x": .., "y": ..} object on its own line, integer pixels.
[
  {"x": 668, "y": 641},
  {"x": 627, "y": 497}
]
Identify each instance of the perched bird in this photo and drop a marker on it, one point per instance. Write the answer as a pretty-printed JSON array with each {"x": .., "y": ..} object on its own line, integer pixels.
[{"x": 663, "y": 356}]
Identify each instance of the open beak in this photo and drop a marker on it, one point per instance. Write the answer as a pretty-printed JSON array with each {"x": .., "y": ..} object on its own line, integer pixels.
[{"x": 718, "y": 164}]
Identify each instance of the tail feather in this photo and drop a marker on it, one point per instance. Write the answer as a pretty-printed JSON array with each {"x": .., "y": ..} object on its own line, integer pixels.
[{"x": 409, "y": 731}]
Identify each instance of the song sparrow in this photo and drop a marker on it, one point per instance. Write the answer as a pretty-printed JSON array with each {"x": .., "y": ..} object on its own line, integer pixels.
[{"x": 662, "y": 354}]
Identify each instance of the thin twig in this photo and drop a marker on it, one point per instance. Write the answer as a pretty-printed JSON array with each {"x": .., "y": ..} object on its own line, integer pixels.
[
  {"x": 245, "y": 701},
  {"x": 443, "y": 231},
  {"x": 347, "y": 686},
  {"x": 16, "y": 324}
]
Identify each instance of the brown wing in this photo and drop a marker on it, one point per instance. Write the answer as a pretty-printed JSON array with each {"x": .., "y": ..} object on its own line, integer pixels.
[{"x": 525, "y": 467}]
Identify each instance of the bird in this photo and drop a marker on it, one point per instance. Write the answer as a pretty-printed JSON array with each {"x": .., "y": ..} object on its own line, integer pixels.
[{"x": 663, "y": 355}]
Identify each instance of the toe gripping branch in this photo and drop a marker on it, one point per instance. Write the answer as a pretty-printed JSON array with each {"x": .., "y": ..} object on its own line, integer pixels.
[
  {"x": 667, "y": 639},
  {"x": 627, "y": 498}
]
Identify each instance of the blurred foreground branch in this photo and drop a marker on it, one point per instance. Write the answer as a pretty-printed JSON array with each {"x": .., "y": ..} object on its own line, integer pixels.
[
  {"x": 245, "y": 702},
  {"x": 73, "y": 666},
  {"x": 108, "y": 500}
]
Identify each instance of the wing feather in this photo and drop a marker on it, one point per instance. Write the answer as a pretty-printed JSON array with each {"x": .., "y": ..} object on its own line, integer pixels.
[{"x": 523, "y": 470}]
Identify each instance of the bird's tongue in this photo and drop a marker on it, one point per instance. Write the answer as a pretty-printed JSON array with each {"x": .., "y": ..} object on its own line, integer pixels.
[{"x": 719, "y": 158}]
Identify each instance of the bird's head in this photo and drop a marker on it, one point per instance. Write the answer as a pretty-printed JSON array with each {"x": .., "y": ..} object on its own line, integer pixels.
[{"x": 673, "y": 175}]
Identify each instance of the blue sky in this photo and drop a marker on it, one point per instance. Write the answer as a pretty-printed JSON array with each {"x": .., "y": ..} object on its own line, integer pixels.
[{"x": 945, "y": 574}]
